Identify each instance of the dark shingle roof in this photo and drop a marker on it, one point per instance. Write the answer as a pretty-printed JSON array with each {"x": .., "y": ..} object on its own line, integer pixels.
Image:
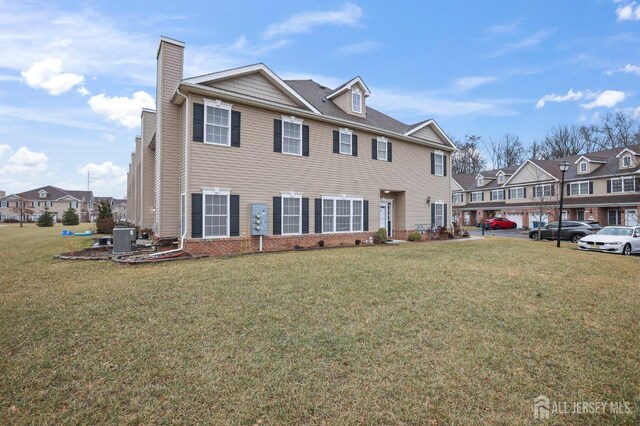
[{"x": 54, "y": 193}]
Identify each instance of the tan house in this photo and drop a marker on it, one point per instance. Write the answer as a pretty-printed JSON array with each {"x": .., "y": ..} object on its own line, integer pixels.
[
  {"x": 602, "y": 186},
  {"x": 320, "y": 163},
  {"x": 54, "y": 199}
]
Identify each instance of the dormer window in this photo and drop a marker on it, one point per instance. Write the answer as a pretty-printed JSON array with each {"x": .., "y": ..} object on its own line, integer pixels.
[
  {"x": 42, "y": 194},
  {"x": 480, "y": 181},
  {"x": 356, "y": 101},
  {"x": 583, "y": 167},
  {"x": 500, "y": 178},
  {"x": 626, "y": 161}
]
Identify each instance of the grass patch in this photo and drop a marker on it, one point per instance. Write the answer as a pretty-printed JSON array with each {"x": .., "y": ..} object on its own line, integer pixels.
[{"x": 467, "y": 332}]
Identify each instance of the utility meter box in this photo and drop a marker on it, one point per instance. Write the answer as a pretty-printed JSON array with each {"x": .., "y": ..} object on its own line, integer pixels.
[
  {"x": 123, "y": 240},
  {"x": 258, "y": 219}
]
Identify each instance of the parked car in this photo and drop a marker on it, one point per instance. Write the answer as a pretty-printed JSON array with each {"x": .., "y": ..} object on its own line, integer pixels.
[
  {"x": 613, "y": 239},
  {"x": 499, "y": 223},
  {"x": 571, "y": 230}
]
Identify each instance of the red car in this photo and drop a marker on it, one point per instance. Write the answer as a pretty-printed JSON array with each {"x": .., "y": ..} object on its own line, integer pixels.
[{"x": 499, "y": 223}]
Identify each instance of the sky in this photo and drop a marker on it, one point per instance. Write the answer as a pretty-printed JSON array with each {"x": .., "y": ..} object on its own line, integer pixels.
[{"x": 74, "y": 75}]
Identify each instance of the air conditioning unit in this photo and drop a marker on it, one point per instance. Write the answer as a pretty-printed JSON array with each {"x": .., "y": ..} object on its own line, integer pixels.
[{"x": 124, "y": 240}]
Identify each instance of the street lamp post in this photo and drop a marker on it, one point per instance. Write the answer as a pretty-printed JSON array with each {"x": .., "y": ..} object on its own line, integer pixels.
[{"x": 564, "y": 166}]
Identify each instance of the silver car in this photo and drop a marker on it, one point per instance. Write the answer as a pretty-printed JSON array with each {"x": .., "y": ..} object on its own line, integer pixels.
[{"x": 613, "y": 239}]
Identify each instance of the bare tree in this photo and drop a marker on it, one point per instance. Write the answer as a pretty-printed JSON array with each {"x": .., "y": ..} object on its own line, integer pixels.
[
  {"x": 507, "y": 151},
  {"x": 618, "y": 130},
  {"x": 468, "y": 158},
  {"x": 23, "y": 208},
  {"x": 563, "y": 141},
  {"x": 545, "y": 195},
  {"x": 536, "y": 151}
]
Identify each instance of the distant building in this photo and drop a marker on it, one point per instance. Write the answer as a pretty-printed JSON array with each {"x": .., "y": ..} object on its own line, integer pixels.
[{"x": 56, "y": 200}]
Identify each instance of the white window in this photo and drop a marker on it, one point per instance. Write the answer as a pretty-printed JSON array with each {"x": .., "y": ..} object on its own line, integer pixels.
[
  {"x": 623, "y": 185},
  {"x": 42, "y": 194},
  {"x": 626, "y": 161},
  {"x": 291, "y": 136},
  {"x": 497, "y": 194},
  {"x": 345, "y": 141},
  {"x": 341, "y": 214},
  {"x": 356, "y": 101},
  {"x": 438, "y": 159},
  {"x": 217, "y": 123},
  {"x": 579, "y": 188},
  {"x": 382, "y": 148},
  {"x": 500, "y": 178},
  {"x": 476, "y": 196},
  {"x": 48, "y": 203},
  {"x": 4, "y": 204},
  {"x": 216, "y": 214},
  {"x": 480, "y": 181},
  {"x": 516, "y": 193},
  {"x": 583, "y": 167},
  {"x": 439, "y": 214},
  {"x": 291, "y": 214},
  {"x": 541, "y": 191},
  {"x": 456, "y": 197},
  {"x": 74, "y": 204}
]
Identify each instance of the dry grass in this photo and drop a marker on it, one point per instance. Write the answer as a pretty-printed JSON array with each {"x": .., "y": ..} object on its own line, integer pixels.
[{"x": 466, "y": 332}]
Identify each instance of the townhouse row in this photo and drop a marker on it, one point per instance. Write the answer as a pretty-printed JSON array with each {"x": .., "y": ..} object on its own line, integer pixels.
[{"x": 51, "y": 198}]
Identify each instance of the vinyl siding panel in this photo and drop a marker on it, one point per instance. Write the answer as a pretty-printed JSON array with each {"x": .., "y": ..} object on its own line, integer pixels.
[
  {"x": 343, "y": 100},
  {"x": 530, "y": 173},
  {"x": 148, "y": 168},
  {"x": 139, "y": 200},
  {"x": 427, "y": 133},
  {"x": 255, "y": 85}
]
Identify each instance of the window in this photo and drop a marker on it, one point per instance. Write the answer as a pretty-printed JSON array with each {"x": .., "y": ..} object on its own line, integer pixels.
[
  {"x": 626, "y": 161},
  {"x": 356, "y": 101},
  {"x": 73, "y": 204},
  {"x": 583, "y": 167},
  {"x": 614, "y": 217},
  {"x": 291, "y": 136},
  {"x": 382, "y": 148},
  {"x": 217, "y": 124},
  {"x": 579, "y": 188},
  {"x": 42, "y": 194},
  {"x": 341, "y": 214},
  {"x": 497, "y": 194},
  {"x": 345, "y": 141},
  {"x": 439, "y": 214},
  {"x": 540, "y": 191},
  {"x": 623, "y": 185},
  {"x": 4, "y": 204},
  {"x": 480, "y": 181},
  {"x": 476, "y": 196},
  {"x": 291, "y": 214},
  {"x": 579, "y": 214},
  {"x": 438, "y": 158},
  {"x": 516, "y": 193},
  {"x": 48, "y": 203},
  {"x": 456, "y": 197},
  {"x": 216, "y": 214},
  {"x": 501, "y": 178}
]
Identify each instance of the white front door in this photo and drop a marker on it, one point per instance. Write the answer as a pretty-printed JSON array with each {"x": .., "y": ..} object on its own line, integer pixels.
[
  {"x": 385, "y": 216},
  {"x": 631, "y": 218}
]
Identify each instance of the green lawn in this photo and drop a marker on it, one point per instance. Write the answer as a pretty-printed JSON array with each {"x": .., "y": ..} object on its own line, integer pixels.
[{"x": 467, "y": 332}]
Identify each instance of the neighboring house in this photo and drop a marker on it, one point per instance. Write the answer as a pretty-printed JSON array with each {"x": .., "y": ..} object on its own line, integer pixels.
[
  {"x": 327, "y": 166},
  {"x": 602, "y": 186},
  {"x": 56, "y": 200},
  {"x": 119, "y": 209}
]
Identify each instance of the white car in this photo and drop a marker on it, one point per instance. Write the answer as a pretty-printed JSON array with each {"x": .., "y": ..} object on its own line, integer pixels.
[{"x": 613, "y": 239}]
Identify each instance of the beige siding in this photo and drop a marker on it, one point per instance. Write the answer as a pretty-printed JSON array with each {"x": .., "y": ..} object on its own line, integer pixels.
[
  {"x": 427, "y": 133},
  {"x": 133, "y": 203},
  {"x": 148, "y": 169},
  {"x": 258, "y": 174},
  {"x": 139, "y": 182},
  {"x": 255, "y": 85},
  {"x": 343, "y": 101},
  {"x": 530, "y": 173}
]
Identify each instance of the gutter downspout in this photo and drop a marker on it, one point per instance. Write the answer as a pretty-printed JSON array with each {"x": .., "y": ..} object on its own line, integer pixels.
[{"x": 186, "y": 176}]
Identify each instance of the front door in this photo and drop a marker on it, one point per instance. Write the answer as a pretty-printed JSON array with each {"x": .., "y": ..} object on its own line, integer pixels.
[
  {"x": 631, "y": 218},
  {"x": 385, "y": 216}
]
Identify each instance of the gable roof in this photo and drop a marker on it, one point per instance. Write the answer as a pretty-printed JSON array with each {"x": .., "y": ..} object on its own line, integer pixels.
[
  {"x": 348, "y": 85},
  {"x": 54, "y": 194},
  {"x": 429, "y": 122},
  {"x": 626, "y": 149},
  {"x": 590, "y": 160}
]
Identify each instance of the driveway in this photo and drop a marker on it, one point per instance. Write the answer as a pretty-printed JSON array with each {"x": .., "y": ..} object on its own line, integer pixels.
[{"x": 509, "y": 233}]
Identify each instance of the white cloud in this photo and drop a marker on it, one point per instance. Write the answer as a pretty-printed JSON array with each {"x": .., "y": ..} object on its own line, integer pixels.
[
  {"x": 570, "y": 96},
  {"x": 25, "y": 162},
  {"x": 305, "y": 21},
  {"x": 508, "y": 27},
  {"x": 107, "y": 179},
  {"x": 607, "y": 99},
  {"x": 357, "y": 48},
  {"x": 83, "y": 91},
  {"x": 629, "y": 12},
  {"x": 4, "y": 148},
  {"x": 469, "y": 83},
  {"x": 121, "y": 109},
  {"x": 47, "y": 74},
  {"x": 531, "y": 41},
  {"x": 629, "y": 68}
]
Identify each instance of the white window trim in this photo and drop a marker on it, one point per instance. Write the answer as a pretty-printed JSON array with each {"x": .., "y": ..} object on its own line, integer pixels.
[
  {"x": 4, "y": 204},
  {"x": 516, "y": 189},
  {"x": 345, "y": 132},
  {"x": 456, "y": 197},
  {"x": 220, "y": 105},
  {"x": 382, "y": 139},
  {"x": 215, "y": 192},
  {"x": 497, "y": 191},
  {"x": 501, "y": 178},
  {"x": 624, "y": 158},
  {"x": 297, "y": 195},
  {"x": 622, "y": 180},
  {"x": 476, "y": 193},
  {"x": 571, "y": 184},
  {"x": 294, "y": 120},
  {"x": 586, "y": 167},
  {"x": 356, "y": 92},
  {"x": 480, "y": 181},
  {"x": 435, "y": 218},
  {"x": 437, "y": 154},
  {"x": 343, "y": 198},
  {"x": 541, "y": 189}
]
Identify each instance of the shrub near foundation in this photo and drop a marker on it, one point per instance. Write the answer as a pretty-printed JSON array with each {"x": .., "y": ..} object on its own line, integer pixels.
[
  {"x": 380, "y": 237},
  {"x": 414, "y": 236}
]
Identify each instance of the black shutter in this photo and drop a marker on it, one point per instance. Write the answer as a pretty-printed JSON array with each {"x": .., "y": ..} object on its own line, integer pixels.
[
  {"x": 235, "y": 128},
  {"x": 568, "y": 189},
  {"x": 198, "y": 122},
  {"x": 277, "y": 215},
  {"x": 444, "y": 217},
  {"x": 482, "y": 193},
  {"x": 354, "y": 145},
  {"x": 508, "y": 193},
  {"x": 234, "y": 219},
  {"x": 524, "y": 193},
  {"x": 196, "y": 215},
  {"x": 389, "y": 151},
  {"x": 553, "y": 190},
  {"x": 336, "y": 142},
  {"x": 374, "y": 149},
  {"x": 444, "y": 164},
  {"x": 305, "y": 141},
  {"x": 433, "y": 163},
  {"x": 638, "y": 184},
  {"x": 491, "y": 196},
  {"x": 608, "y": 186},
  {"x": 590, "y": 187},
  {"x": 433, "y": 215},
  {"x": 318, "y": 216},
  {"x": 305, "y": 215},
  {"x": 365, "y": 215},
  {"x": 277, "y": 135}
]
